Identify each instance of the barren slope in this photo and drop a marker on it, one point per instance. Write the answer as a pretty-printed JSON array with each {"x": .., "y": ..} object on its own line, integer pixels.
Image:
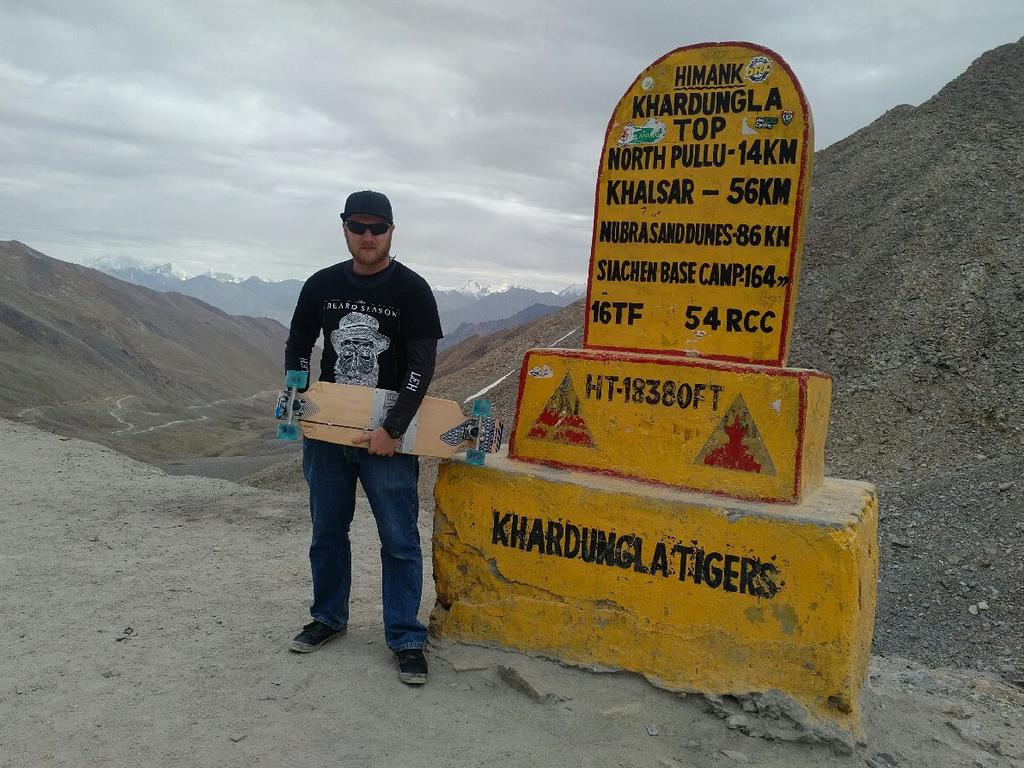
[
  {"x": 912, "y": 295},
  {"x": 153, "y": 374}
]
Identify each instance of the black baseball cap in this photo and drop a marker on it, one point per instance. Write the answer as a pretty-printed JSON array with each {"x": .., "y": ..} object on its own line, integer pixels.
[{"x": 369, "y": 203}]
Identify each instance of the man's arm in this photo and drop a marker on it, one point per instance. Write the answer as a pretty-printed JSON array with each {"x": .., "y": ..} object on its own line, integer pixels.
[
  {"x": 421, "y": 327},
  {"x": 422, "y": 354},
  {"x": 303, "y": 332}
]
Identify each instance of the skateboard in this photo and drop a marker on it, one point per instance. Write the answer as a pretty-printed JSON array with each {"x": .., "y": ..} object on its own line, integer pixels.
[{"x": 339, "y": 413}]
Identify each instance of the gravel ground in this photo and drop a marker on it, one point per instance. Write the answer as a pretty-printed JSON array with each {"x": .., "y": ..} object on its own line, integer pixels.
[
  {"x": 146, "y": 618},
  {"x": 952, "y": 569}
]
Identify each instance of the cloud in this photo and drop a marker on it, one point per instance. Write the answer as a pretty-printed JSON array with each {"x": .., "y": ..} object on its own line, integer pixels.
[{"x": 226, "y": 136}]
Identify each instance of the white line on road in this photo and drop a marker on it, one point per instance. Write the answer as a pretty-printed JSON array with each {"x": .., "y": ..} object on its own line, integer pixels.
[
  {"x": 491, "y": 386},
  {"x": 570, "y": 333},
  {"x": 235, "y": 400},
  {"x": 169, "y": 424}
]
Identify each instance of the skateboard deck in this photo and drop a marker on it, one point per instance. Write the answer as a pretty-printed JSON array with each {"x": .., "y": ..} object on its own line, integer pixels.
[{"x": 340, "y": 413}]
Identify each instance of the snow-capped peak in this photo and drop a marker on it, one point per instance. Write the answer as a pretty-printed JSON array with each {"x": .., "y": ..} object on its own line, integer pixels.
[
  {"x": 478, "y": 289},
  {"x": 170, "y": 269},
  {"x": 224, "y": 277},
  {"x": 127, "y": 263}
]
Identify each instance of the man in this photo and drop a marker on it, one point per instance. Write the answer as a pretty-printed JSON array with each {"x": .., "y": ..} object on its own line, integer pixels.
[{"x": 380, "y": 327}]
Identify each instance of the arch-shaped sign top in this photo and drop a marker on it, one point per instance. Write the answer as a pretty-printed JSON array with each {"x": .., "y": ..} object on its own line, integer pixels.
[{"x": 700, "y": 208}]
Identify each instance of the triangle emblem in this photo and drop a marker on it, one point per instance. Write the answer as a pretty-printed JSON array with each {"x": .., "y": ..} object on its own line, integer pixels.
[
  {"x": 560, "y": 421},
  {"x": 737, "y": 444}
]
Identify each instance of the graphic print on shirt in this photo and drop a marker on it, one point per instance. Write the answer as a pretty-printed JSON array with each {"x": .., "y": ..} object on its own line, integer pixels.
[{"x": 358, "y": 342}]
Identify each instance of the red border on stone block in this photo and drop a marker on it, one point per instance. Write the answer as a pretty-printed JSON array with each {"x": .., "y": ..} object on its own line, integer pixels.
[{"x": 802, "y": 374}]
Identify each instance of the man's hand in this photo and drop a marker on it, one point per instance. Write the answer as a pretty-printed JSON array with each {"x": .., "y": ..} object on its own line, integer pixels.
[{"x": 379, "y": 442}]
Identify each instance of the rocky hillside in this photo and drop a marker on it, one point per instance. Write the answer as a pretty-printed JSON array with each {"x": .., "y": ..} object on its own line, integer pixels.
[
  {"x": 506, "y": 325},
  {"x": 912, "y": 294}
]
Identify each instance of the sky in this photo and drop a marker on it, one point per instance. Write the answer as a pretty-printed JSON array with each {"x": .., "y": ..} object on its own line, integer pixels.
[{"x": 225, "y": 136}]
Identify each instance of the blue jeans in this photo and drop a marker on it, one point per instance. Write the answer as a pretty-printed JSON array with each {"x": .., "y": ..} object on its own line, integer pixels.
[{"x": 390, "y": 485}]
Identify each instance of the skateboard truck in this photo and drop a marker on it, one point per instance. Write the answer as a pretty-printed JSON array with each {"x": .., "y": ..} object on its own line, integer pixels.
[
  {"x": 481, "y": 410},
  {"x": 293, "y": 382}
]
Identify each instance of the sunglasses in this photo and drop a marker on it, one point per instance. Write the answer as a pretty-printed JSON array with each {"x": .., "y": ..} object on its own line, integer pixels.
[{"x": 357, "y": 228}]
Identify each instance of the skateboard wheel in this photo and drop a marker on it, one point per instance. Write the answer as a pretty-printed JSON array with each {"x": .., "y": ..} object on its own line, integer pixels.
[
  {"x": 297, "y": 379},
  {"x": 481, "y": 408},
  {"x": 475, "y": 457},
  {"x": 288, "y": 432}
]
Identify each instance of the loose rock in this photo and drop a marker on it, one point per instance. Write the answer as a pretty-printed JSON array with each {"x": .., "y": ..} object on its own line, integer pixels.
[
  {"x": 522, "y": 682},
  {"x": 738, "y": 757},
  {"x": 737, "y": 721}
]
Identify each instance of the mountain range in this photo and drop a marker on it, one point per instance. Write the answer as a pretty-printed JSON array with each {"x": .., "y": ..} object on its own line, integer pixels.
[{"x": 469, "y": 305}]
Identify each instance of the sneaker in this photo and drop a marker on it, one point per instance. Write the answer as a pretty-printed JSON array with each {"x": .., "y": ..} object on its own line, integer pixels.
[
  {"x": 412, "y": 666},
  {"x": 312, "y": 636}
]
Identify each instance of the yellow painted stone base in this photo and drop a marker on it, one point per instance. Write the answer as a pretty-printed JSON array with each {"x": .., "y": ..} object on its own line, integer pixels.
[{"x": 695, "y": 592}]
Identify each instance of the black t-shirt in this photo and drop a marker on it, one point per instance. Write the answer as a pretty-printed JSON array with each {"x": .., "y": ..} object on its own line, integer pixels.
[{"x": 367, "y": 323}]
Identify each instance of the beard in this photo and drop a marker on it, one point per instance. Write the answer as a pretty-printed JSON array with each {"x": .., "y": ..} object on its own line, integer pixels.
[{"x": 374, "y": 256}]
